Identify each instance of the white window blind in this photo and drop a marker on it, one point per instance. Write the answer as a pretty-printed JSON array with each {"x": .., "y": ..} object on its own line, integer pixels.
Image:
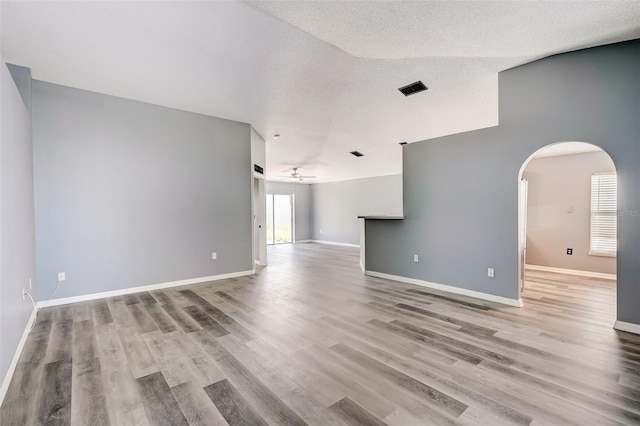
[{"x": 604, "y": 214}]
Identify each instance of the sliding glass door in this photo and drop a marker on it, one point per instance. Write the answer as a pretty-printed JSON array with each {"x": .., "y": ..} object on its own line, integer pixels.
[{"x": 279, "y": 219}]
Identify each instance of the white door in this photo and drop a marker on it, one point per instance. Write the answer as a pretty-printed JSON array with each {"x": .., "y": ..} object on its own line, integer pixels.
[
  {"x": 259, "y": 234},
  {"x": 256, "y": 219},
  {"x": 523, "y": 193}
]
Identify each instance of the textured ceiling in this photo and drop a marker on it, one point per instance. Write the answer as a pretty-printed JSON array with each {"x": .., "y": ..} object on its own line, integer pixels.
[
  {"x": 415, "y": 29},
  {"x": 324, "y": 75}
]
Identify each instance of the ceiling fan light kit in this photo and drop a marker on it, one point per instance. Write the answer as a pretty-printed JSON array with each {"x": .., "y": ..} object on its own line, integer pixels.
[{"x": 296, "y": 176}]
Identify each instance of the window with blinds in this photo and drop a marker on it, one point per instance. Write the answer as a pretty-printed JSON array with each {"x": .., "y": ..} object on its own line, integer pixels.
[{"x": 604, "y": 214}]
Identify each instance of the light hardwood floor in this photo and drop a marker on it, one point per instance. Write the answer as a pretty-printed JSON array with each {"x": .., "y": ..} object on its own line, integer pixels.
[{"x": 310, "y": 340}]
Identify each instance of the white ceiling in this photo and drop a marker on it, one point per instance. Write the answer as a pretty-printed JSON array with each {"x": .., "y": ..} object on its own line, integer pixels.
[{"x": 324, "y": 75}]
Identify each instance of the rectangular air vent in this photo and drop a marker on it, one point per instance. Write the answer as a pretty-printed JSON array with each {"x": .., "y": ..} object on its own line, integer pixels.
[
  {"x": 413, "y": 88},
  {"x": 356, "y": 153}
]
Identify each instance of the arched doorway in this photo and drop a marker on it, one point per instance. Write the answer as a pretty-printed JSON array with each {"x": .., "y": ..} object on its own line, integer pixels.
[{"x": 571, "y": 226}]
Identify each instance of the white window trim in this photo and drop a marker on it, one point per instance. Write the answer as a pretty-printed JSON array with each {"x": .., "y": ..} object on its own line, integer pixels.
[{"x": 600, "y": 253}]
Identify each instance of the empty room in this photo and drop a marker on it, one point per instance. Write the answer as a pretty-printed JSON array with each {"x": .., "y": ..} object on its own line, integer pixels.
[{"x": 320, "y": 213}]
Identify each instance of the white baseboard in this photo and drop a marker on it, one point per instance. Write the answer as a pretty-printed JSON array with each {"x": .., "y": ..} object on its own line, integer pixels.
[
  {"x": 333, "y": 243},
  {"x": 450, "y": 289},
  {"x": 16, "y": 356},
  {"x": 629, "y": 327},
  {"x": 130, "y": 290},
  {"x": 571, "y": 272}
]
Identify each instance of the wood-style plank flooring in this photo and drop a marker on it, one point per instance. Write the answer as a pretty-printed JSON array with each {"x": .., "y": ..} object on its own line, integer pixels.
[{"x": 310, "y": 340}]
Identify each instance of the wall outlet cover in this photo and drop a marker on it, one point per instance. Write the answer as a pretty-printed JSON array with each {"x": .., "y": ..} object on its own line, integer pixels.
[
  {"x": 569, "y": 251},
  {"x": 214, "y": 256},
  {"x": 62, "y": 276},
  {"x": 491, "y": 273},
  {"x": 416, "y": 258}
]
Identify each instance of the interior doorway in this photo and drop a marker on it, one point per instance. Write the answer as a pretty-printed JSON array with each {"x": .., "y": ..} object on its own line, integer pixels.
[
  {"x": 259, "y": 234},
  {"x": 567, "y": 225},
  {"x": 280, "y": 219}
]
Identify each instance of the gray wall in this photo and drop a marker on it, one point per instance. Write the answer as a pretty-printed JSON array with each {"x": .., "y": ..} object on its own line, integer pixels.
[
  {"x": 336, "y": 206},
  {"x": 303, "y": 213},
  {"x": 131, "y": 194},
  {"x": 461, "y": 191},
  {"x": 17, "y": 238},
  {"x": 22, "y": 78},
  {"x": 556, "y": 185}
]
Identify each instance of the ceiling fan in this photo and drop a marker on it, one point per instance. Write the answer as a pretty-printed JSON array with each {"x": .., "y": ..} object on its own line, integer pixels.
[{"x": 296, "y": 176}]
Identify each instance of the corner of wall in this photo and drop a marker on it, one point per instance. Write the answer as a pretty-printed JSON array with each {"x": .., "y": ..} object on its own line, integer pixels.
[
  {"x": 17, "y": 223},
  {"x": 22, "y": 79}
]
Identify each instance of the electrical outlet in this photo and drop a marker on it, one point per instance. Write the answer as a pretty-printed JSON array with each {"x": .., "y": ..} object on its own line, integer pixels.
[
  {"x": 24, "y": 294},
  {"x": 61, "y": 276},
  {"x": 214, "y": 256},
  {"x": 570, "y": 251},
  {"x": 416, "y": 258},
  {"x": 491, "y": 272}
]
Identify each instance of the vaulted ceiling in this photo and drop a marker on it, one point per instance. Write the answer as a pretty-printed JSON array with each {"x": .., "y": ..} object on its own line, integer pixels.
[{"x": 324, "y": 75}]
